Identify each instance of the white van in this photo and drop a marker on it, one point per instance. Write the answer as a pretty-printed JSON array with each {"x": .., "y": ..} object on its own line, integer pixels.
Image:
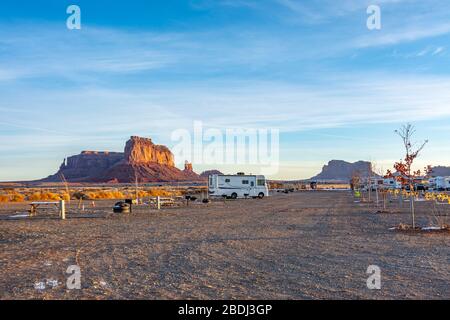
[{"x": 238, "y": 186}]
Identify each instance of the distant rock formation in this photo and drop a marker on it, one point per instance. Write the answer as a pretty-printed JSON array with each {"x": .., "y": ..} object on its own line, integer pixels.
[
  {"x": 142, "y": 160},
  {"x": 188, "y": 167},
  {"x": 440, "y": 171},
  {"x": 206, "y": 174},
  {"x": 339, "y": 170},
  {"x": 87, "y": 164},
  {"x": 142, "y": 150},
  {"x": 189, "y": 171}
]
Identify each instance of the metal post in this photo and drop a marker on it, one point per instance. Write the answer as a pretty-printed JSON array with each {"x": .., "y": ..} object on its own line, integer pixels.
[
  {"x": 62, "y": 209},
  {"x": 158, "y": 203}
]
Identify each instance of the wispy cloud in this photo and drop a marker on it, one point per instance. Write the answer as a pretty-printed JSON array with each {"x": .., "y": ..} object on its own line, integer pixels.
[
  {"x": 404, "y": 34},
  {"x": 159, "y": 110},
  {"x": 54, "y": 51},
  {"x": 438, "y": 51}
]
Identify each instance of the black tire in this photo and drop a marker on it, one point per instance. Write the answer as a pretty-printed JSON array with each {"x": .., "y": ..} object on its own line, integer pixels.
[
  {"x": 122, "y": 207},
  {"x": 234, "y": 196},
  {"x": 261, "y": 195}
]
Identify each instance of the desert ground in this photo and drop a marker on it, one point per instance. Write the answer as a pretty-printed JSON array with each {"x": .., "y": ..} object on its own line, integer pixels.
[{"x": 302, "y": 245}]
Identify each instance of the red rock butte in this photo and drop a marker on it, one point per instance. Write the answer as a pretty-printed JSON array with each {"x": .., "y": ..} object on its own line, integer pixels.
[{"x": 142, "y": 160}]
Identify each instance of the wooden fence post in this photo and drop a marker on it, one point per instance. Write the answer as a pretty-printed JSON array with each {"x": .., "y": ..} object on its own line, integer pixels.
[
  {"x": 158, "y": 203},
  {"x": 62, "y": 209}
]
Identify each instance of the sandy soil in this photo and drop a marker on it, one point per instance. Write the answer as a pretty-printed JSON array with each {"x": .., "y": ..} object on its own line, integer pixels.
[{"x": 305, "y": 245}]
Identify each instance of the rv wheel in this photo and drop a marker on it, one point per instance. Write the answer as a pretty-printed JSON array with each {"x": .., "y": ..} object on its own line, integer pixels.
[
  {"x": 234, "y": 195},
  {"x": 261, "y": 195}
]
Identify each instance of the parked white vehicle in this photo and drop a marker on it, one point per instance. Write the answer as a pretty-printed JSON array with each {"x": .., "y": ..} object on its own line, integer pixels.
[
  {"x": 238, "y": 186},
  {"x": 391, "y": 183},
  {"x": 432, "y": 183},
  {"x": 440, "y": 183}
]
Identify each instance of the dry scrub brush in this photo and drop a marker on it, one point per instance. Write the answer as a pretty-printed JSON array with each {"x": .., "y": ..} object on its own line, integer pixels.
[{"x": 11, "y": 195}]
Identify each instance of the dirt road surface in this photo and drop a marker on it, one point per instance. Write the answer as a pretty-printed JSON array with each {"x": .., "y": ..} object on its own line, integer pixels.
[{"x": 305, "y": 245}]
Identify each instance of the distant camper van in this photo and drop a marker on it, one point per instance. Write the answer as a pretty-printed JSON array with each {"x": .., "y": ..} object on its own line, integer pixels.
[
  {"x": 391, "y": 183},
  {"x": 440, "y": 183},
  {"x": 238, "y": 186}
]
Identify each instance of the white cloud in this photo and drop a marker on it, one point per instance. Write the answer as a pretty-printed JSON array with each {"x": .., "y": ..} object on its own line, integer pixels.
[{"x": 438, "y": 51}]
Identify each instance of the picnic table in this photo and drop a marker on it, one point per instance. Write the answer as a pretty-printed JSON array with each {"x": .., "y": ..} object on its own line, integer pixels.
[{"x": 58, "y": 204}]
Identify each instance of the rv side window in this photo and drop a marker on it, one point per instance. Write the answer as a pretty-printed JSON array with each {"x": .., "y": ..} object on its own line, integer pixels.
[
  {"x": 210, "y": 181},
  {"x": 244, "y": 181},
  {"x": 261, "y": 182},
  {"x": 252, "y": 184},
  {"x": 227, "y": 180}
]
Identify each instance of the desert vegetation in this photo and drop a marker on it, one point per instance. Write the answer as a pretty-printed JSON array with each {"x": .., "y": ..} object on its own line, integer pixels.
[{"x": 44, "y": 194}]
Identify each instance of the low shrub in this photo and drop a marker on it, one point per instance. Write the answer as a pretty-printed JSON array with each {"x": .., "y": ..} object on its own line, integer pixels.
[
  {"x": 17, "y": 197},
  {"x": 104, "y": 194},
  {"x": 45, "y": 196}
]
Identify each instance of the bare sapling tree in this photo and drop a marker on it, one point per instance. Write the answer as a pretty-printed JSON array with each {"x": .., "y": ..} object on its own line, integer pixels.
[
  {"x": 405, "y": 167},
  {"x": 66, "y": 186},
  {"x": 355, "y": 181},
  {"x": 377, "y": 173},
  {"x": 355, "y": 184},
  {"x": 370, "y": 173}
]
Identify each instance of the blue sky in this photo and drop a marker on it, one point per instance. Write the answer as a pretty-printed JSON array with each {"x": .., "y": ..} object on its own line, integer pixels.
[{"x": 311, "y": 69}]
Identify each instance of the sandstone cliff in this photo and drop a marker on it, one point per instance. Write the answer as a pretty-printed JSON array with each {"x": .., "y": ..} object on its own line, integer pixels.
[
  {"x": 142, "y": 150},
  {"x": 142, "y": 160}
]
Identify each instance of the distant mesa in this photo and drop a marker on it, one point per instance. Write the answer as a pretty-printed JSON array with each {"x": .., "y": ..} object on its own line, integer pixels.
[
  {"x": 142, "y": 160},
  {"x": 440, "y": 171},
  {"x": 339, "y": 170},
  {"x": 206, "y": 174}
]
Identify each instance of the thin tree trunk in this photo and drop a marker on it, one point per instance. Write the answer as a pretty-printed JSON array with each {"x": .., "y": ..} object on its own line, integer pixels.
[
  {"x": 411, "y": 199},
  {"x": 413, "y": 212},
  {"x": 377, "y": 197}
]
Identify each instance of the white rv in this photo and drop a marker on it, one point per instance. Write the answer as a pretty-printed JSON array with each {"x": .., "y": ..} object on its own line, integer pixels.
[
  {"x": 237, "y": 186},
  {"x": 440, "y": 183},
  {"x": 391, "y": 183}
]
